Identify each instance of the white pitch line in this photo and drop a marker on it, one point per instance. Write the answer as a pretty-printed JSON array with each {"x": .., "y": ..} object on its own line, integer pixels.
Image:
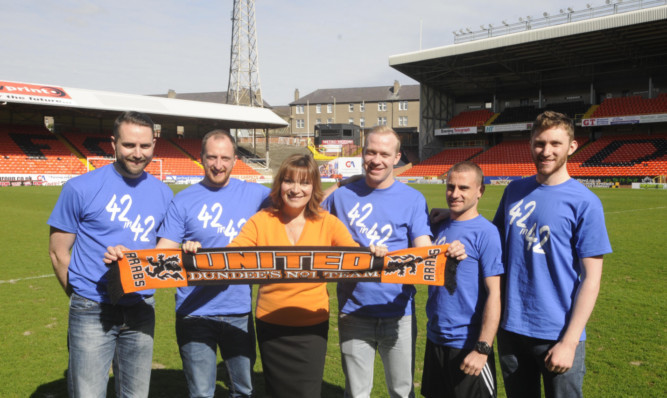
[
  {"x": 25, "y": 279},
  {"x": 627, "y": 211}
]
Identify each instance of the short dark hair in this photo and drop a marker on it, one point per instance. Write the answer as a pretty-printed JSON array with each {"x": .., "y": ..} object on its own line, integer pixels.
[
  {"x": 218, "y": 133},
  {"x": 550, "y": 119},
  {"x": 296, "y": 166},
  {"x": 132, "y": 117},
  {"x": 467, "y": 165}
]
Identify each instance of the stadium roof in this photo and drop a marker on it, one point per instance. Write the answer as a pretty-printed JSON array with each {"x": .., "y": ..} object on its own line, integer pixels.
[
  {"x": 94, "y": 103},
  {"x": 609, "y": 50}
]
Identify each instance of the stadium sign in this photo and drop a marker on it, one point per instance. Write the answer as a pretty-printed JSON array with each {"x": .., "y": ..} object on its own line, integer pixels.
[
  {"x": 456, "y": 131},
  {"x": 648, "y": 185},
  {"x": 34, "y": 94},
  {"x": 611, "y": 121},
  {"x": 508, "y": 127}
]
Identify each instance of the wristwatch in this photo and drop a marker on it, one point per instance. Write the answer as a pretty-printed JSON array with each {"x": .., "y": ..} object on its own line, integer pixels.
[{"x": 483, "y": 348}]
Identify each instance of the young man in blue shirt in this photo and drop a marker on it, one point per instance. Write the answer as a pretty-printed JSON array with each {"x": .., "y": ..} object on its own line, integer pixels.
[
  {"x": 117, "y": 203},
  {"x": 462, "y": 324},
  {"x": 554, "y": 238}
]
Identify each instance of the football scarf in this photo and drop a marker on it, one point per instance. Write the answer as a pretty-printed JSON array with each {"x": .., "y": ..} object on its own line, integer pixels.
[{"x": 163, "y": 268}]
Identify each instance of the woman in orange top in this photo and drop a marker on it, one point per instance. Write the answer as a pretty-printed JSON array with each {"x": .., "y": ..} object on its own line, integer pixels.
[{"x": 293, "y": 318}]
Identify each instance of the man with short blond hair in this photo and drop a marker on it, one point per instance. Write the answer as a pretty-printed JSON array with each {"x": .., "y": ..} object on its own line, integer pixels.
[{"x": 378, "y": 210}]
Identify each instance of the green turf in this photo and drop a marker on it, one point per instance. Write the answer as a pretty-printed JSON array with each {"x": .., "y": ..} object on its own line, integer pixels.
[{"x": 626, "y": 349}]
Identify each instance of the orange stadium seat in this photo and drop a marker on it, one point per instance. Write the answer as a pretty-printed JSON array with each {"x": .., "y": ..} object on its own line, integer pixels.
[
  {"x": 629, "y": 106},
  {"x": 35, "y": 150},
  {"x": 621, "y": 155},
  {"x": 470, "y": 118},
  {"x": 439, "y": 163}
]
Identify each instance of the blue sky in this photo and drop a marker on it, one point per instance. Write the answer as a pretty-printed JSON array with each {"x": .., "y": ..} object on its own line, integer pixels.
[{"x": 151, "y": 46}]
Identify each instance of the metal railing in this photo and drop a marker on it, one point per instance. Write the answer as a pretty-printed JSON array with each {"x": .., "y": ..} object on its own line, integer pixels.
[{"x": 563, "y": 16}]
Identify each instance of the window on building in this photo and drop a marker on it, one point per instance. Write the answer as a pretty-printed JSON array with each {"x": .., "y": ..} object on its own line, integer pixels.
[
  {"x": 350, "y": 120},
  {"x": 318, "y": 108},
  {"x": 362, "y": 107},
  {"x": 329, "y": 108},
  {"x": 362, "y": 122},
  {"x": 403, "y": 105},
  {"x": 299, "y": 109},
  {"x": 329, "y": 120},
  {"x": 318, "y": 121},
  {"x": 350, "y": 107},
  {"x": 382, "y": 106},
  {"x": 300, "y": 123},
  {"x": 382, "y": 121},
  {"x": 403, "y": 121}
]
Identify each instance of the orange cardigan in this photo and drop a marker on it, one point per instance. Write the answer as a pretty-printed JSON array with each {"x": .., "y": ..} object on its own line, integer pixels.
[{"x": 293, "y": 304}]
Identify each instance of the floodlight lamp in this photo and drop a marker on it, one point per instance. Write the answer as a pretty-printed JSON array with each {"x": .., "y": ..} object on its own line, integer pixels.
[
  {"x": 561, "y": 11},
  {"x": 505, "y": 23},
  {"x": 468, "y": 30},
  {"x": 529, "y": 17},
  {"x": 482, "y": 27},
  {"x": 520, "y": 19},
  {"x": 570, "y": 9},
  {"x": 461, "y": 31},
  {"x": 588, "y": 5},
  {"x": 607, "y": 2},
  {"x": 490, "y": 26},
  {"x": 545, "y": 14}
]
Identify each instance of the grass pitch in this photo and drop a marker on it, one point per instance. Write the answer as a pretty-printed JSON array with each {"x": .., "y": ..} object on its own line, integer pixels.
[{"x": 626, "y": 351}]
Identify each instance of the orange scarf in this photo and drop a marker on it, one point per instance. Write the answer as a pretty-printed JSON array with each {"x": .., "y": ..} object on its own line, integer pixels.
[{"x": 163, "y": 268}]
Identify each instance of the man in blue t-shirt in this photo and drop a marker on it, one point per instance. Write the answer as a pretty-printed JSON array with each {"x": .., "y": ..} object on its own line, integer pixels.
[
  {"x": 373, "y": 316},
  {"x": 554, "y": 238},
  {"x": 462, "y": 324},
  {"x": 118, "y": 203},
  {"x": 212, "y": 213}
]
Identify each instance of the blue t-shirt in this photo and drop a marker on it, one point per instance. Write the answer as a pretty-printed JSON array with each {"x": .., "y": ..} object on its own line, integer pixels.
[
  {"x": 393, "y": 217},
  {"x": 546, "y": 230},
  {"x": 213, "y": 217},
  {"x": 105, "y": 209},
  {"x": 455, "y": 320}
]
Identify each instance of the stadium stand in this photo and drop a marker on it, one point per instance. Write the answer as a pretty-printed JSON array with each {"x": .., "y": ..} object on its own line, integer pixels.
[
  {"x": 517, "y": 114},
  {"x": 35, "y": 150},
  {"x": 626, "y": 155},
  {"x": 509, "y": 158},
  {"x": 470, "y": 118},
  {"x": 635, "y": 105},
  {"x": 440, "y": 163},
  {"x": 528, "y": 113}
]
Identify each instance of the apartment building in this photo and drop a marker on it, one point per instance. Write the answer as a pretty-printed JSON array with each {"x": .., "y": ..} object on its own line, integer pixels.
[{"x": 396, "y": 106}]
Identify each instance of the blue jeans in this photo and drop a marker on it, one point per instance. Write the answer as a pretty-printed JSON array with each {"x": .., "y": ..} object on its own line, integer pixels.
[
  {"x": 393, "y": 338},
  {"x": 522, "y": 362},
  {"x": 100, "y": 333},
  {"x": 198, "y": 339}
]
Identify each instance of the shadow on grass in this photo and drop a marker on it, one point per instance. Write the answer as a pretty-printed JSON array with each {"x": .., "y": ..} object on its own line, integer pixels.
[{"x": 171, "y": 383}]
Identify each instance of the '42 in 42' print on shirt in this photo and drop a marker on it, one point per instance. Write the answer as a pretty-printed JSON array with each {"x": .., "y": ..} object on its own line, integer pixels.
[
  {"x": 122, "y": 206},
  {"x": 357, "y": 219},
  {"x": 535, "y": 239},
  {"x": 230, "y": 230}
]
